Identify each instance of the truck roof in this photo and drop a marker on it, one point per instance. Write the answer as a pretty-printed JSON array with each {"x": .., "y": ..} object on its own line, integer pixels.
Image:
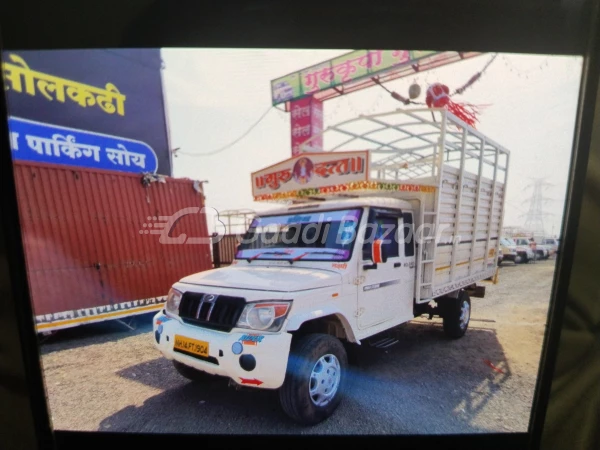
[{"x": 325, "y": 205}]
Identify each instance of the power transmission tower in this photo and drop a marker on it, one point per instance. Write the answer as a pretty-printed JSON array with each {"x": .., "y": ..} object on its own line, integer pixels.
[{"x": 534, "y": 218}]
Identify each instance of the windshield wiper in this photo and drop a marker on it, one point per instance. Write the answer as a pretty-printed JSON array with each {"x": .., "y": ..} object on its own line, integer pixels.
[
  {"x": 320, "y": 252},
  {"x": 252, "y": 258},
  {"x": 297, "y": 258}
]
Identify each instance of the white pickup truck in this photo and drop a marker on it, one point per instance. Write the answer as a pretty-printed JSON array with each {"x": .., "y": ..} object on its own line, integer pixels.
[
  {"x": 368, "y": 240},
  {"x": 541, "y": 251}
]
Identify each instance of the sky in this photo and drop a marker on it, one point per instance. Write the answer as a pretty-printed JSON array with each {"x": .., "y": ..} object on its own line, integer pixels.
[{"x": 214, "y": 96}]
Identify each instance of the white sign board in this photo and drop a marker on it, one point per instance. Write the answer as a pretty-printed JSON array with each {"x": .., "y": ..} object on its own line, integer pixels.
[{"x": 310, "y": 171}]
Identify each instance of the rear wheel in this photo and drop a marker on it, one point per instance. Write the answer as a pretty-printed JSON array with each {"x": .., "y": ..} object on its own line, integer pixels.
[
  {"x": 315, "y": 379},
  {"x": 192, "y": 374},
  {"x": 457, "y": 315}
]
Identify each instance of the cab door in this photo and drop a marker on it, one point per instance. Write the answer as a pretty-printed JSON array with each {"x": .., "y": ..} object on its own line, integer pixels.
[{"x": 381, "y": 293}]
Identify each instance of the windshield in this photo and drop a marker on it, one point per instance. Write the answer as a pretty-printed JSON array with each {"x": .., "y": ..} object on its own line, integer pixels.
[
  {"x": 507, "y": 241},
  {"x": 316, "y": 236}
]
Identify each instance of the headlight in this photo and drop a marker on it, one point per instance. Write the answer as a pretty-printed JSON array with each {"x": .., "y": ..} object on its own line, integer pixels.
[
  {"x": 264, "y": 316},
  {"x": 173, "y": 301}
]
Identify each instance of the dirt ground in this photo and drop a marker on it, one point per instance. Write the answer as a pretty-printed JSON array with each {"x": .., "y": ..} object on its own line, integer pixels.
[{"x": 106, "y": 377}]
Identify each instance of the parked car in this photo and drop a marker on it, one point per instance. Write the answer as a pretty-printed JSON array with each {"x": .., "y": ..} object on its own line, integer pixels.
[
  {"x": 552, "y": 243},
  {"x": 541, "y": 251},
  {"x": 515, "y": 253}
]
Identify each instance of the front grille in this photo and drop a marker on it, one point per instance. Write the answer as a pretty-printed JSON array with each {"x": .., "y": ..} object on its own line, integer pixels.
[{"x": 220, "y": 312}]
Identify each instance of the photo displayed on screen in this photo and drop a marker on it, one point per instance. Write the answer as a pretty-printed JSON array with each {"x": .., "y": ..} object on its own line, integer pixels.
[{"x": 245, "y": 241}]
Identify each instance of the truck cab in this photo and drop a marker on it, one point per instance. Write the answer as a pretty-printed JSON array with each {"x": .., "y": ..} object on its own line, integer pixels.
[{"x": 349, "y": 264}]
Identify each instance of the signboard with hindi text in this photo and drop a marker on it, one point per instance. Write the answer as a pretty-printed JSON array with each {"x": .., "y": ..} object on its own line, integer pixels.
[
  {"x": 36, "y": 141},
  {"x": 309, "y": 171},
  {"x": 356, "y": 66},
  {"x": 93, "y": 108}
]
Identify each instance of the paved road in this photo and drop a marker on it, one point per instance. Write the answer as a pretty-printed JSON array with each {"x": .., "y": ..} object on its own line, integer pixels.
[{"x": 104, "y": 377}]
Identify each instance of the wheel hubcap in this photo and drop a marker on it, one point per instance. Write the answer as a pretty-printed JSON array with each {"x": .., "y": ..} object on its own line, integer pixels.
[
  {"x": 324, "y": 380},
  {"x": 465, "y": 314}
]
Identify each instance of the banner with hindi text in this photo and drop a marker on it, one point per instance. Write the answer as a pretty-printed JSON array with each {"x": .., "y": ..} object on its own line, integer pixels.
[
  {"x": 35, "y": 141},
  {"x": 311, "y": 170},
  {"x": 357, "y": 66},
  {"x": 94, "y": 108}
]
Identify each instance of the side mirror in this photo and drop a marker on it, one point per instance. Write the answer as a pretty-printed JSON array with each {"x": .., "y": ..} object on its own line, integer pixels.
[{"x": 377, "y": 251}]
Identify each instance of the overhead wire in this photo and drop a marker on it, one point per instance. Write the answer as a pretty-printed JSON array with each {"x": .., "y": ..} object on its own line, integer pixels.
[{"x": 231, "y": 144}]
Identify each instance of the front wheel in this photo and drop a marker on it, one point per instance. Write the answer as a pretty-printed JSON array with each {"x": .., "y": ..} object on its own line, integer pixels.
[
  {"x": 457, "y": 315},
  {"x": 315, "y": 379}
]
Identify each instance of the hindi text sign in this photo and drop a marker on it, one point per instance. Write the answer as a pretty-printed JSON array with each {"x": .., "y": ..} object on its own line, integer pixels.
[
  {"x": 41, "y": 142},
  {"x": 311, "y": 170}
]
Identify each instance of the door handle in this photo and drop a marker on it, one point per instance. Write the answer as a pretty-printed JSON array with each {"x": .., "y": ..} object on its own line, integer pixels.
[
  {"x": 370, "y": 266},
  {"x": 397, "y": 264}
]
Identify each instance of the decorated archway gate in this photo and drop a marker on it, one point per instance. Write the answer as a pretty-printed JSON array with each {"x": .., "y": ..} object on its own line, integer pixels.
[{"x": 304, "y": 92}]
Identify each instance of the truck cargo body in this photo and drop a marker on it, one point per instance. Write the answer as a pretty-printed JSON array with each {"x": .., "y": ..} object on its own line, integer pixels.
[
  {"x": 89, "y": 249},
  {"x": 458, "y": 229}
]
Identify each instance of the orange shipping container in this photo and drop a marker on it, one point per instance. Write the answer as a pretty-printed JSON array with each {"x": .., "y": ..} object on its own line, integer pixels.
[{"x": 96, "y": 244}]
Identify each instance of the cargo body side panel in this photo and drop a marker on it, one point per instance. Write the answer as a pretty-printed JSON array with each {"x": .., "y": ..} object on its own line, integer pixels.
[{"x": 88, "y": 246}]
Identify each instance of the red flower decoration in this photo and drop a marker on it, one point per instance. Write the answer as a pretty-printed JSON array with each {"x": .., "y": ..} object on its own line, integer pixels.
[{"x": 438, "y": 96}]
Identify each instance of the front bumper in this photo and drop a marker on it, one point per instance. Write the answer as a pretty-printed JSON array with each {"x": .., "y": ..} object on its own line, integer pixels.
[
  {"x": 265, "y": 368},
  {"x": 528, "y": 253}
]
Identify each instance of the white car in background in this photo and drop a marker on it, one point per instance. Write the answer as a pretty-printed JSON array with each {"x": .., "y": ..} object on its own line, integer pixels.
[
  {"x": 541, "y": 251},
  {"x": 515, "y": 253},
  {"x": 552, "y": 243}
]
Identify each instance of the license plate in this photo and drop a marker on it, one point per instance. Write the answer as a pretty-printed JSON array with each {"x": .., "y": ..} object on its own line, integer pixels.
[{"x": 192, "y": 346}]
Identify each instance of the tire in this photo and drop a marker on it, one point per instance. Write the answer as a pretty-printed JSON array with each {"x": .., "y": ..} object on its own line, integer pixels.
[
  {"x": 308, "y": 356},
  {"x": 192, "y": 374},
  {"x": 518, "y": 259},
  {"x": 524, "y": 259},
  {"x": 455, "y": 324}
]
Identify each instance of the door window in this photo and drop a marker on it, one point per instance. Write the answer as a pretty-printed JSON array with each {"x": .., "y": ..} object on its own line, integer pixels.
[{"x": 385, "y": 228}]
